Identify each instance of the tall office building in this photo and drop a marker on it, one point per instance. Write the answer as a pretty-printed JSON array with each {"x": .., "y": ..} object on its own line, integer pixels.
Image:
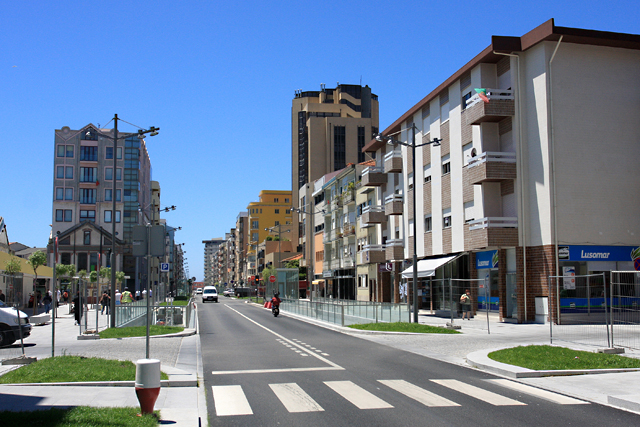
[
  {"x": 210, "y": 253},
  {"x": 83, "y": 195},
  {"x": 329, "y": 128}
]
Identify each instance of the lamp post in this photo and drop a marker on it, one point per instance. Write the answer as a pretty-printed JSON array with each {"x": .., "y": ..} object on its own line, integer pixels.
[
  {"x": 392, "y": 141},
  {"x": 153, "y": 131}
]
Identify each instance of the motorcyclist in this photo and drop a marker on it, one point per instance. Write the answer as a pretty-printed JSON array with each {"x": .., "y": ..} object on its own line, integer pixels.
[{"x": 275, "y": 301}]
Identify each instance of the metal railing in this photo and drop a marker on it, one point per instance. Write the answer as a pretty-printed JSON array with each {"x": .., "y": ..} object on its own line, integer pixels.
[{"x": 347, "y": 312}]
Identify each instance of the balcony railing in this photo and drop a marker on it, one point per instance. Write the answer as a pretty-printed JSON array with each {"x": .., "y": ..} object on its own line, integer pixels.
[
  {"x": 501, "y": 104},
  {"x": 393, "y": 204},
  {"x": 394, "y": 249},
  {"x": 373, "y": 176},
  {"x": 491, "y": 232},
  {"x": 374, "y": 215},
  {"x": 372, "y": 254},
  {"x": 491, "y": 166},
  {"x": 493, "y": 222},
  {"x": 393, "y": 161},
  {"x": 348, "y": 229}
]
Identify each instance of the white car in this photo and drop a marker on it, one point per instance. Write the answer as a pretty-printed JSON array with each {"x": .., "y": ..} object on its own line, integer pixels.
[
  {"x": 199, "y": 291},
  {"x": 210, "y": 293}
]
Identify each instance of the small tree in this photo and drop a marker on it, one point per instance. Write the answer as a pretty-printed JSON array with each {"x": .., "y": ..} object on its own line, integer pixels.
[
  {"x": 36, "y": 259},
  {"x": 12, "y": 267}
]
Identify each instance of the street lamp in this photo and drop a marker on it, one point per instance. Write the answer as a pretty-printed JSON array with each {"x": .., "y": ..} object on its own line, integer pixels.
[
  {"x": 392, "y": 141},
  {"x": 153, "y": 131}
]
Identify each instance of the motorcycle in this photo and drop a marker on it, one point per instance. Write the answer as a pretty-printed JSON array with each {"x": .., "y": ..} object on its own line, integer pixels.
[{"x": 275, "y": 306}]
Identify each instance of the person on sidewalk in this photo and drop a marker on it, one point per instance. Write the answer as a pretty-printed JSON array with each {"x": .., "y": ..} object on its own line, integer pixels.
[
  {"x": 126, "y": 296},
  {"x": 105, "y": 301},
  {"x": 465, "y": 302},
  {"x": 118, "y": 296},
  {"x": 77, "y": 310},
  {"x": 47, "y": 300},
  {"x": 2, "y": 296}
]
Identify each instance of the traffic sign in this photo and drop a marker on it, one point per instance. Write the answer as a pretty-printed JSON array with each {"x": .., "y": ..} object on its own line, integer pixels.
[
  {"x": 164, "y": 267},
  {"x": 272, "y": 279}
]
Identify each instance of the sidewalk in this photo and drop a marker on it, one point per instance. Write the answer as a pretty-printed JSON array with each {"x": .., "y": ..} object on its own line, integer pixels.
[{"x": 181, "y": 401}]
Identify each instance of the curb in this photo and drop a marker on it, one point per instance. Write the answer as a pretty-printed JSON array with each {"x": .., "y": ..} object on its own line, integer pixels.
[{"x": 185, "y": 333}]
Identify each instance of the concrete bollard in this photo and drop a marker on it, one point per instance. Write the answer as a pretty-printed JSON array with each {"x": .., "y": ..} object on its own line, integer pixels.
[{"x": 147, "y": 383}]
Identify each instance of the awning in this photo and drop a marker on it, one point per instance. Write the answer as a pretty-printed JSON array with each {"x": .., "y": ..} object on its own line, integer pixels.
[{"x": 427, "y": 267}]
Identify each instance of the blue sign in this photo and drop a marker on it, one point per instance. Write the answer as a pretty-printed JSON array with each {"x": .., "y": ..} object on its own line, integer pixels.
[
  {"x": 164, "y": 267},
  {"x": 598, "y": 253},
  {"x": 486, "y": 259}
]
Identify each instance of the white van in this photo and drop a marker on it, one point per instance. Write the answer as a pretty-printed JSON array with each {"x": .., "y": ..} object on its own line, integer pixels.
[
  {"x": 9, "y": 332},
  {"x": 209, "y": 293}
]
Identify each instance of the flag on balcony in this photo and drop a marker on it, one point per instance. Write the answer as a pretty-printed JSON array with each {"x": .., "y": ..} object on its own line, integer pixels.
[{"x": 482, "y": 93}]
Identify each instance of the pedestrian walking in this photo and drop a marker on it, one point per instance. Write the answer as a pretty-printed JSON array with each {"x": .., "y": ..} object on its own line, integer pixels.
[
  {"x": 77, "y": 310},
  {"x": 58, "y": 298},
  {"x": 118, "y": 297},
  {"x": 105, "y": 301},
  {"x": 126, "y": 296},
  {"x": 65, "y": 296},
  {"x": 47, "y": 300},
  {"x": 465, "y": 303}
]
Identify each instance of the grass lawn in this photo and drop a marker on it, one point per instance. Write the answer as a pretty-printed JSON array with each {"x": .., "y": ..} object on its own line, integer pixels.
[
  {"x": 79, "y": 416},
  {"x": 178, "y": 302},
  {"x": 73, "y": 369},
  {"x": 404, "y": 327},
  {"x": 549, "y": 358},
  {"x": 139, "y": 331}
]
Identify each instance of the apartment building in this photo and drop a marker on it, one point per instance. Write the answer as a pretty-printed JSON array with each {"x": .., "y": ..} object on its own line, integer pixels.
[
  {"x": 530, "y": 172},
  {"x": 211, "y": 260},
  {"x": 329, "y": 128},
  {"x": 82, "y": 202},
  {"x": 242, "y": 239}
]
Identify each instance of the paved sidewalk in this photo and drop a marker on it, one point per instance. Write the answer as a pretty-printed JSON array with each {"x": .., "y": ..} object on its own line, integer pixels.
[{"x": 181, "y": 401}]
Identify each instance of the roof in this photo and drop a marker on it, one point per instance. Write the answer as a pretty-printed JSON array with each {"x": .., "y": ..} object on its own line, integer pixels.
[
  {"x": 91, "y": 224},
  {"x": 293, "y": 258},
  {"x": 504, "y": 44}
]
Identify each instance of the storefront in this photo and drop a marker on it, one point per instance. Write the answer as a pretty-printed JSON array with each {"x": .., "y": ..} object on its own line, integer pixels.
[{"x": 488, "y": 272}]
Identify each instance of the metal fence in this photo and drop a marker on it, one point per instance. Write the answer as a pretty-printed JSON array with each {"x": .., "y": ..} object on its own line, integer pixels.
[
  {"x": 591, "y": 310},
  {"x": 347, "y": 312}
]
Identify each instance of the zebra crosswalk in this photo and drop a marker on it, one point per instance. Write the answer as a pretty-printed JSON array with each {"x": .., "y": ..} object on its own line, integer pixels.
[{"x": 231, "y": 400}]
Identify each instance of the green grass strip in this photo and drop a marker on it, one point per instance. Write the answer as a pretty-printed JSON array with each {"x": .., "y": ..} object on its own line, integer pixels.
[
  {"x": 139, "y": 331},
  {"x": 73, "y": 369},
  {"x": 79, "y": 416},
  {"x": 404, "y": 327},
  {"x": 549, "y": 358},
  {"x": 175, "y": 303}
]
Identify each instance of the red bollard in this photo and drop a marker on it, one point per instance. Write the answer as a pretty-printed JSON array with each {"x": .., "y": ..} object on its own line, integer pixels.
[{"x": 147, "y": 384}]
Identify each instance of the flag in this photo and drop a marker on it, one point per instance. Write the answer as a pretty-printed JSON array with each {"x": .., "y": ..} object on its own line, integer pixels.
[{"x": 482, "y": 93}]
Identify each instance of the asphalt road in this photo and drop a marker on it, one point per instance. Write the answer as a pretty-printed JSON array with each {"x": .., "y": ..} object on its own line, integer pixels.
[{"x": 266, "y": 371}]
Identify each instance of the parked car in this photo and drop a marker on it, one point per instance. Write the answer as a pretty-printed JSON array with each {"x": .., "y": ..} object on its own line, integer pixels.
[
  {"x": 228, "y": 293},
  {"x": 199, "y": 291},
  {"x": 9, "y": 331},
  {"x": 209, "y": 293}
]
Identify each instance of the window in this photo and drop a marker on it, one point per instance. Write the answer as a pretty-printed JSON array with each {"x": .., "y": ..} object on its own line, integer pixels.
[
  {"x": 87, "y": 238},
  {"x": 68, "y": 193},
  {"x": 275, "y": 200},
  {"x": 287, "y": 212},
  {"x": 361, "y": 143},
  {"x": 68, "y": 173},
  {"x": 109, "y": 192},
  {"x": 69, "y": 150},
  {"x": 466, "y": 153},
  {"x": 254, "y": 237},
  {"x": 88, "y": 216},
  {"x": 427, "y": 173},
  {"x": 469, "y": 211},
  {"x": 254, "y": 224},
  {"x": 89, "y": 154},
  {"x": 277, "y": 211},
  {"x": 465, "y": 98},
  {"x": 109, "y": 153},
  {"x": 446, "y": 165},
  {"x": 411, "y": 227},
  {"x": 60, "y": 172},
  {"x": 427, "y": 223},
  {"x": 107, "y": 216},
  {"x": 59, "y": 193},
  {"x": 276, "y": 223},
  {"x": 88, "y": 174},
  {"x": 446, "y": 218},
  {"x": 63, "y": 215},
  {"x": 108, "y": 174},
  {"x": 88, "y": 196},
  {"x": 339, "y": 147},
  {"x": 410, "y": 181},
  {"x": 118, "y": 174},
  {"x": 286, "y": 200},
  {"x": 61, "y": 150}
]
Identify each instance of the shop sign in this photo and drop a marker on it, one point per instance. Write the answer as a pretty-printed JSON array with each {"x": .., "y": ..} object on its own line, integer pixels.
[
  {"x": 486, "y": 259},
  {"x": 600, "y": 253}
]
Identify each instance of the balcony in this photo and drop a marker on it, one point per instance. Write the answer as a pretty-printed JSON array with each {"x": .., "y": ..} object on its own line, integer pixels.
[
  {"x": 393, "y": 205},
  {"x": 373, "y": 176},
  {"x": 348, "y": 196},
  {"x": 393, "y": 161},
  {"x": 394, "y": 250},
  {"x": 371, "y": 254},
  {"x": 374, "y": 215},
  {"x": 491, "y": 232},
  {"x": 348, "y": 229},
  {"x": 491, "y": 166},
  {"x": 501, "y": 104}
]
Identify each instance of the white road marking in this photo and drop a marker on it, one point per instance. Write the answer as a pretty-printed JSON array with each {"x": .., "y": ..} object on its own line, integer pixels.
[
  {"x": 332, "y": 366},
  {"x": 360, "y": 397},
  {"x": 418, "y": 394},
  {"x": 478, "y": 393},
  {"x": 230, "y": 400},
  {"x": 294, "y": 398},
  {"x": 543, "y": 394}
]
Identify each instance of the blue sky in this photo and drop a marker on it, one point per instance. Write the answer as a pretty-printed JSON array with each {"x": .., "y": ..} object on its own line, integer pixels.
[{"x": 218, "y": 79}]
